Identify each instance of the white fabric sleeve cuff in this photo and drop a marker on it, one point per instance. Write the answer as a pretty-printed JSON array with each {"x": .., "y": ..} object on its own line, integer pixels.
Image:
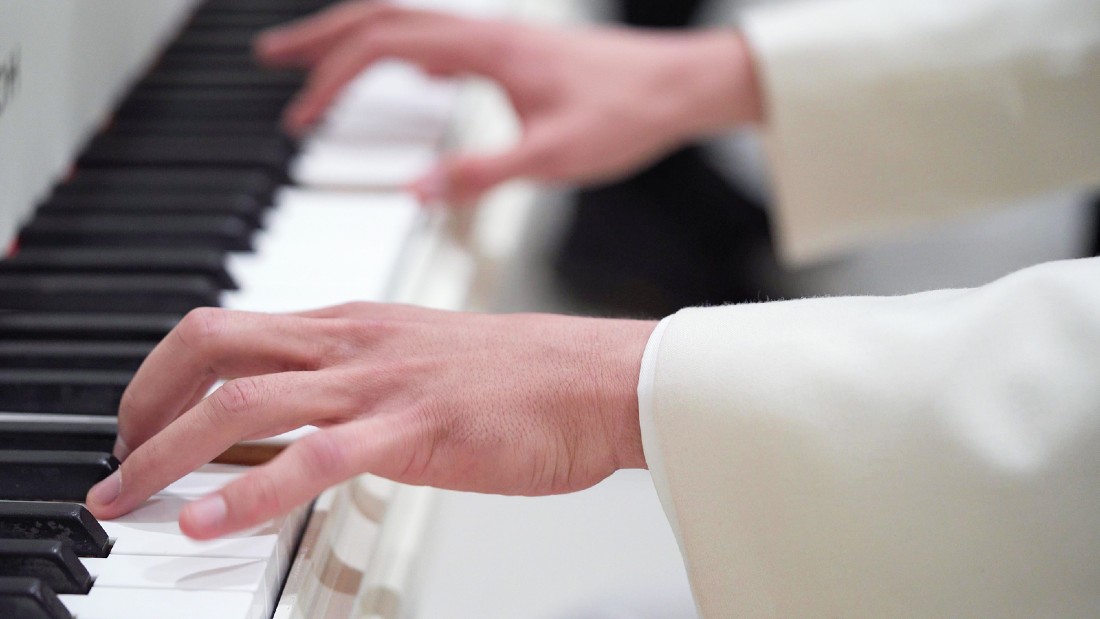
[
  {"x": 924, "y": 455},
  {"x": 651, "y": 446},
  {"x": 882, "y": 115}
]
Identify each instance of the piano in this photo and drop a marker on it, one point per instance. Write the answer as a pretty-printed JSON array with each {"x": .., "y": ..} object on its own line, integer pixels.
[{"x": 142, "y": 174}]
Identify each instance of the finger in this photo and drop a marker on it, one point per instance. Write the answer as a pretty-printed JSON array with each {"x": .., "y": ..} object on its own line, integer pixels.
[
  {"x": 303, "y": 41},
  {"x": 463, "y": 179},
  {"x": 379, "y": 445},
  {"x": 240, "y": 409},
  {"x": 209, "y": 344},
  {"x": 442, "y": 44}
]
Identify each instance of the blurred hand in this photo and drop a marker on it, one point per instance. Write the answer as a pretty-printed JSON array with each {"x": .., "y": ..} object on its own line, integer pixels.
[
  {"x": 594, "y": 103},
  {"x": 507, "y": 404}
]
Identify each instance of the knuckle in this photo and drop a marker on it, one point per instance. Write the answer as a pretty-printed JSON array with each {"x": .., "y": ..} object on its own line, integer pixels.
[
  {"x": 365, "y": 331},
  {"x": 370, "y": 8},
  {"x": 344, "y": 340},
  {"x": 385, "y": 10},
  {"x": 350, "y": 308},
  {"x": 323, "y": 457},
  {"x": 240, "y": 397},
  {"x": 200, "y": 326}
]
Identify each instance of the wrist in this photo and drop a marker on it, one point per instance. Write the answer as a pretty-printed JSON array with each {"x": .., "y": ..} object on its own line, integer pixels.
[
  {"x": 618, "y": 346},
  {"x": 719, "y": 83}
]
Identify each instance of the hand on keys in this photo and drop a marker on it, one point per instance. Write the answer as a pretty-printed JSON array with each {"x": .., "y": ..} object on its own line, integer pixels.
[
  {"x": 507, "y": 404},
  {"x": 594, "y": 103}
]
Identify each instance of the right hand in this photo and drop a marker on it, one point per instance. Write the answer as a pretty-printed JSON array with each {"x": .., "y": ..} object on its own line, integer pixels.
[
  {"x": 505, "y": 404},
  {"x": 594, "y": 103}
]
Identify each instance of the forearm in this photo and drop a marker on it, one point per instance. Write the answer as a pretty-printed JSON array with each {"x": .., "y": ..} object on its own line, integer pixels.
[{"x": 928, "y": 455}]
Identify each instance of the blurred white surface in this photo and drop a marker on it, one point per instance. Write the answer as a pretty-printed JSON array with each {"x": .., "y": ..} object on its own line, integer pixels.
[{"x": 606, "y": 552}]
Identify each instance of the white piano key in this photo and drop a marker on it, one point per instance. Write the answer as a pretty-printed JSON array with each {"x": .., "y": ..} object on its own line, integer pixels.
[
  {"x": 367, "y": 166},
  {"x": 153, "y": 529},
  {"x": 257, "y": 577},
  {"x": 384, "y": 131},
  {"x": 188, "y": 573},
  {"x": 283, "y": 439},
  {"x": 391, "y": 102},
  {"x": 324, "y": 248},
  {"x": 125, "y": 603},
  {"x": 377, "y": 126},
  {"x": 398, "y": 82},
  {"x": 150, "y": 551},
  {"x": 203, "y": 481}
]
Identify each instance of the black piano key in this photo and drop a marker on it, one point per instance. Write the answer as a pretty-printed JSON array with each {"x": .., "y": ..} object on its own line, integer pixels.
[
  {"x": 209, "y": 263},
  {"x": 125, "y": 356},
  {"x": 206, "y": 103},
  {"x": 50, "y": 561},
  {"x": 59, "y": 435},
  {"x": 27, "y": 475},
  {"x": 86, "y": 327},
  {"x": 190, "y": 60},
  {"x": 30, "y": 598},
  {"x": 107, "y": 293},
  {"x": 283, "y": 81},
  {"x": 301, "y": 7},
  {"x": 256, "y": 20},
  {"x": 248, "y": 151},
  {"x": 267, "y": 127},
  {"x": 244, "y": 206},
  {"x": 144, "y": 181},
  {"x": 220, "y": 39},
  {"x": 69, "y": 523},
  {"x": 226, "y": 232},
  {"x": 62, "y": 392}
]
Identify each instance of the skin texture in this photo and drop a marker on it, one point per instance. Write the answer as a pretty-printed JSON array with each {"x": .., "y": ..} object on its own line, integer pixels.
[
  {"x": 507, "y": 404},
  {"x": 594, "y": 103},
  {"x": 511, "y": 404}
]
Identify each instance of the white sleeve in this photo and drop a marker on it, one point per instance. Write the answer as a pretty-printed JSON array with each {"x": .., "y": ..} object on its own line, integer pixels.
[
  {"x": 883, "y": 114},
  {"x": 932, "y": 455}
]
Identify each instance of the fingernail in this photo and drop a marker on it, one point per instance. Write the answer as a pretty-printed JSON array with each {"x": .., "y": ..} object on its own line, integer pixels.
[
  {"x": 121, "y": 450},
  {"x": 106, "y": 491},
  {"x": 207, "y": 513}
]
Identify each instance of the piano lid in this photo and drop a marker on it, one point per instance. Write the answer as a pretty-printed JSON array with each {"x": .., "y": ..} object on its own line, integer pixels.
[{"x": 63, "y": 65}]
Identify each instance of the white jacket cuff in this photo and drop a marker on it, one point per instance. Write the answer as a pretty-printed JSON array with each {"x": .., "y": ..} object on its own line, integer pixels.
[{"x": 882, "y": 115}]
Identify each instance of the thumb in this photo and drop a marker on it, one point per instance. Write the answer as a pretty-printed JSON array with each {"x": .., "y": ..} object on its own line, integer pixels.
[{"x": 464, "y": 178}]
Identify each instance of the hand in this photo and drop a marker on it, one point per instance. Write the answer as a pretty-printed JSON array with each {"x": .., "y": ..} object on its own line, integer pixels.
[
  {"x": 594, "y": 104},
  {"x": 508, "y": 404}
]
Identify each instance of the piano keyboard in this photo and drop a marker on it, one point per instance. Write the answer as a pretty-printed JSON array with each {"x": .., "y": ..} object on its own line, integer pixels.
[{"x": 191, "y": 197}]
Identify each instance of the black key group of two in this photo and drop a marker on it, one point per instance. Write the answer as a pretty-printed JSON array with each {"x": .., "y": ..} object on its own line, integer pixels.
[{"x": 135, "y": 238}]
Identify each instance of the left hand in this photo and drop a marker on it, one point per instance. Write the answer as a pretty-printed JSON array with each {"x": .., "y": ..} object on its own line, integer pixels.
[
  {"x": 507, "y": 404},
  {"x": 594, "y": 103}
]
